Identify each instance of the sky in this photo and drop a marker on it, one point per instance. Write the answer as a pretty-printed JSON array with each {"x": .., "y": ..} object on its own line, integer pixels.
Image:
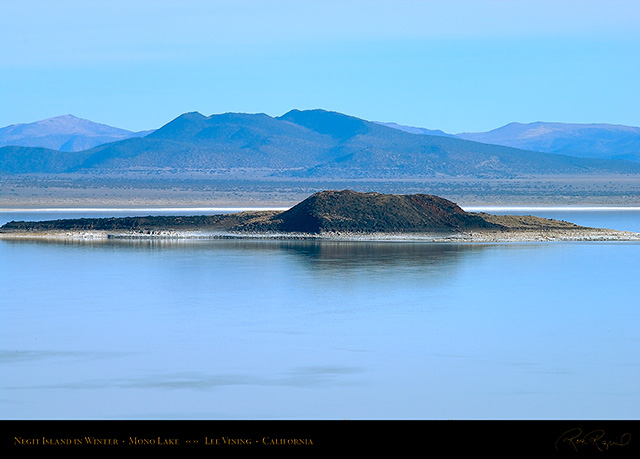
[{"x": 455, "y": 65}]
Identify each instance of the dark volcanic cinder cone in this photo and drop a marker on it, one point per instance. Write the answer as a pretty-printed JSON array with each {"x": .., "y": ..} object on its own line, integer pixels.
[{"x": 350, "y": 211}]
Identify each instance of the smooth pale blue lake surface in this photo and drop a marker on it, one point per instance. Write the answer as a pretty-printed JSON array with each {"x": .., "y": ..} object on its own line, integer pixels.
[{"x": 321, "y": 330}]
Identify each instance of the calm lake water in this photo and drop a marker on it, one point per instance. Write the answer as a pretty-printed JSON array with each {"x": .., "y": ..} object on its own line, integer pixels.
[{"x": 320, "y": 330}]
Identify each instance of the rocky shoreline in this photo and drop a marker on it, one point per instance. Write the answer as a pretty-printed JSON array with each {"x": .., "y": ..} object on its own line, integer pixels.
[
  {"x": 478, "y": 236},
  {"x": 329, "y": 215}
]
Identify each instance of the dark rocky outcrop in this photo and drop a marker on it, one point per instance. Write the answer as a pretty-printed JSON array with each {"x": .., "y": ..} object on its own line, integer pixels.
[
  {"x": 144, "y": 224},
  {"x": 324, "y": 212},
  {"x": 350, "y": 211}
]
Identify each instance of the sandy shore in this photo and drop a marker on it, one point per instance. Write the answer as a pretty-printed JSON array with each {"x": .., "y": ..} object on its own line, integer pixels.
[
  {"x": 206, "y": 190},
  {"x": 486, "y": 236}
]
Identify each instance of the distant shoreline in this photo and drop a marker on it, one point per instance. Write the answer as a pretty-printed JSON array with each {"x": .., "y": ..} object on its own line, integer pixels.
[
  {"x": 147, "y": 209},
  {"x": 184, "y": 191},
  {"x": 473, "y": 208}
]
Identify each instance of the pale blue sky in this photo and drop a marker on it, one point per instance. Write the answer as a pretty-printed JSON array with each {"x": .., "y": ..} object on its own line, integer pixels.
[{"x": 454, "y": 65}]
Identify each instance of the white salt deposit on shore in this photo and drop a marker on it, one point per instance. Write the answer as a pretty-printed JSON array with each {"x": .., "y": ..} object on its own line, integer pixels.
[{"x": 595, "y": 234}]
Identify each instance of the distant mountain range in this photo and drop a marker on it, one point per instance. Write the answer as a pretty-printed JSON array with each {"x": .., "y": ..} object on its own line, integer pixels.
[
  {"x": 63, "y": 133},
  {"x": 604, "y": 141},
  {"x": 416, "y": 130},
  {"x": 310, "y": 143}
]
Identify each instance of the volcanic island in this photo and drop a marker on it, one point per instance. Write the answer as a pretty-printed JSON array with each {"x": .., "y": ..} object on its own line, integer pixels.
[{"x": 329, "y": 215}]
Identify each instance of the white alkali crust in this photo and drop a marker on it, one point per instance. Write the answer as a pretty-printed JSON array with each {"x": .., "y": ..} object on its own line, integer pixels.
[{"x": 478, "y": 236}]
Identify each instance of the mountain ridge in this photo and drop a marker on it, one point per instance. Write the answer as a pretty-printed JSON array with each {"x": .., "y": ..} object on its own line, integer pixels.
[
  {"x": 593, "y": 140},
  {"x": 306, "y": 144},
  {"x": 586, "y": 140},
  {"x": 63, "y": 133},
  {"x": 415, "y": 129}
]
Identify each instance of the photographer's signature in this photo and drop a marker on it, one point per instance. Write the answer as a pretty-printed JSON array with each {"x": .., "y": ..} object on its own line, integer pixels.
[{"x": 593, "y": 439}]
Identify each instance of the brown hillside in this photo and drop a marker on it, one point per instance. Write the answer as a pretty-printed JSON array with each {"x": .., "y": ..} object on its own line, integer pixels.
[{"x": 350, "y": 211}]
